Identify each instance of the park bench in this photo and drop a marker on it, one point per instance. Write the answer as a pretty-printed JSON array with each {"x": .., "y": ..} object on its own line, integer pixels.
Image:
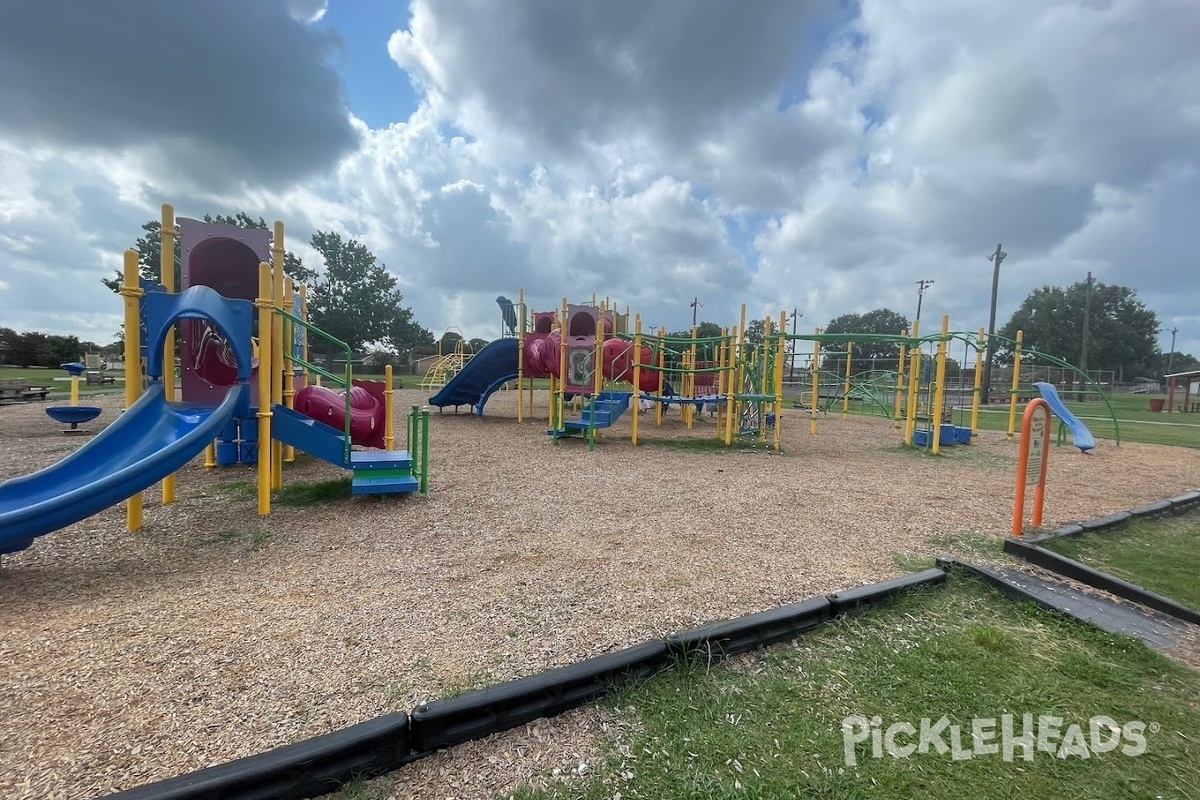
[
  {"x": 100, "y": 378},
  {"x": 19, "y": 390}
]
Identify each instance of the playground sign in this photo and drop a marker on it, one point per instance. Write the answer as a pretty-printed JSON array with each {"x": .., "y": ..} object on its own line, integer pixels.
[
  {"x": 1037, "y": 446},
  {"x": 1031, "y": 462}
]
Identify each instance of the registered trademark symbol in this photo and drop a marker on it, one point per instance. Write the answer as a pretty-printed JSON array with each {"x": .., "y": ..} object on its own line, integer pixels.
[{"x": 1154, "y": 727}]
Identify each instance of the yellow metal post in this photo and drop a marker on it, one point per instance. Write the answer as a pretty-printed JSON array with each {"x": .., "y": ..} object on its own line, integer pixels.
[
  {"x": 939, "y": 395},
  {"x": 761, "y": 388},
  {"x": 276, "y": 396},
  {"x": 735, "y": 377},
  {"x": 1016, "y": 385},
  {"x": 815, "y": 370},
  {"x": 780, "y": 357},
  {"x": 660, "y": 362},
  {"x": 166, "y": 266},
  {"x": 389, "y": 418},
  {"x": 900, "y": 388},
  {"x": 914, "y": 381},
  {"x": 266, "y": 309},
  {"x": 561, "y": 399},
  {"x": 521, "y": 357},
  {"x": 978, "y": 383},
  {"x": 131, "y": 290},
  {"x": 689, "y": 379},
  {"x": 289, "y": 366},
  {"x": 637, "y": 377}
]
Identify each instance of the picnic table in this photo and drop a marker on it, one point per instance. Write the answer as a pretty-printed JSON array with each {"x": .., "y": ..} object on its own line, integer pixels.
[{"x": 19, "y": 390}]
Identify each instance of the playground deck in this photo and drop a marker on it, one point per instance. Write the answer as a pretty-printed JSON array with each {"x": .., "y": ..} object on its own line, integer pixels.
[{"x": 214, "y": 634}]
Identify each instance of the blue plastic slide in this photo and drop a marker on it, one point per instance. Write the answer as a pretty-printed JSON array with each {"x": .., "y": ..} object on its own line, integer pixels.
[
  {"x": 149, "y": 441},
  {"x": 486, "y": 371},
  {"x": 1080, "y": 435}
]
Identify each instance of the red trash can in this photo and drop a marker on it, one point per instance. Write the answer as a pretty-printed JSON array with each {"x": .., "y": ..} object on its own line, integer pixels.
[{"x": 1156, "y": 404}]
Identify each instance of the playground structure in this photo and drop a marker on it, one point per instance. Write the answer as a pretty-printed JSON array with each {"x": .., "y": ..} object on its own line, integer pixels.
[
  {"x": 244, "y": 371},
  {"x": 592, "y": 360},
  {"x": 448, "y": 364},
  {"x": 73, "y": 414},
  {"x": 592, "y": 363}
]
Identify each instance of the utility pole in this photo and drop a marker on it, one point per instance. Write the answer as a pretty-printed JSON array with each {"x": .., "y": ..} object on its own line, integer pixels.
[
  {"x": 1171, "y": 354},
  {"x": 995, "y": 258},
  {"x": 696, "y": 305},
  {"x": 1083, "y": 356},
  {"x": 921, "y": 286},
  {"x": 796, "y": 315}
]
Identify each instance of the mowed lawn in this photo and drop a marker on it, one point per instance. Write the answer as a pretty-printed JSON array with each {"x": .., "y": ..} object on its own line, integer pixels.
[
  {"x": 60, "y": 382},
  {"x": 1137, "y": 423},
  {"x": 1162, "y": 555},
  {"x": 889, "y": 704}
]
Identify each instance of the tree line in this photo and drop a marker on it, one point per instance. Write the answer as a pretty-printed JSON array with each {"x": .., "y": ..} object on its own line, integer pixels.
[
  {"x": 1122, "y": 332},
  {"x": 36, "y": 349},
  {"x": 1122, "y": 338}
]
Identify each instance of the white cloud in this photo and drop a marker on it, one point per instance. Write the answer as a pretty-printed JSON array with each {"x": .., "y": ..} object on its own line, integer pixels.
[{"x": 767, "y": 156}]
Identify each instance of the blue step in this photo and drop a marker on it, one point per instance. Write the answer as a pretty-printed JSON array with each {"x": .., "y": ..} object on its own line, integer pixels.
[
  {"x": 308, "y": 435},
  {"x": 364, "y": 460},
  {"x": 383, "y": 484}
]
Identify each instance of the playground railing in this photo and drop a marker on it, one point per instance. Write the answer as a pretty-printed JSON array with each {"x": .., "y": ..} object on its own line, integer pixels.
[
  {"x": 418, "y": 445},
  {"x": 345, "y": 381}
]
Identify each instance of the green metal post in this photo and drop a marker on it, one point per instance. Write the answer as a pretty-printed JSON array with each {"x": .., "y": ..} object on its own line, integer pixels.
[{"x": 425, "y": 451}]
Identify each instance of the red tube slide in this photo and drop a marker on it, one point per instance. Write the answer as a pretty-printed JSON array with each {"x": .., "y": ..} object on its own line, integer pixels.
[{"x": 329, "y": 406}]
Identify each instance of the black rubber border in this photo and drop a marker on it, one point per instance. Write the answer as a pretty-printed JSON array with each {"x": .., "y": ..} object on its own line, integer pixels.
[
  {"x": 476, "y": 714},
  {"x": 1171, "y": 506},
  {"x": 1030, "y": 549},
  {"x": 323, "y": 764},
  {"x": 1005, "y": 586},
  {"x": 309, "y": 768}
]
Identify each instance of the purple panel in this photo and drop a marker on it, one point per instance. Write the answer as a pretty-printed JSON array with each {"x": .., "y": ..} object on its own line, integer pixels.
[{"x": 226, "y": 258}]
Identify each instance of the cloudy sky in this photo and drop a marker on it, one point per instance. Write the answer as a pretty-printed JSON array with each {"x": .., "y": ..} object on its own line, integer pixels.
[{"x": 788, "y": 155}]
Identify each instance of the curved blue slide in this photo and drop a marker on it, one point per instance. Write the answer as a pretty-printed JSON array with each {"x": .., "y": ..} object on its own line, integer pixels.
[
  {"x": 149, "y": 441},
  {"x": 1080, "y": 435},
  {"x": 486, "y": 371}
]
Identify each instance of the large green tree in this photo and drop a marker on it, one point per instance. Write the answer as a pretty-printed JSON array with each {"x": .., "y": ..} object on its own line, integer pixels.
[
  {"x": 866, "y": 354},
  {"x": 37, "y": 349},
  {"x": 1123, "y": 331},
  {"x": 706, "y": 351},
  {"x": 149, "y": 249},
  {"x": 356, "y": 300}
]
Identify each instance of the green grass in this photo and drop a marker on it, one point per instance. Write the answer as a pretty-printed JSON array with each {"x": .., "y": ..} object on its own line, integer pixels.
[
  {"x": 1161, "y": 555},
  {"x": 60, "y": 389},
  {"x": 237, "y": 490},
  {"x": 770, "y": 724},
  {"x": 255, "y": 539},
  {"x": 313, "y": 493},
  {"x": 1137, "y": 422}
]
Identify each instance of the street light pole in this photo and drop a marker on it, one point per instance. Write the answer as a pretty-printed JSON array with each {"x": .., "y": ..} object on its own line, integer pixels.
[
  {"x": 995, "y": 258},
  {"x": 1171, "y": 353},
  {"x": 695, "y": 304},
  {"x": 921, "y": 286},
  {"x": 1087, "y": 333}
]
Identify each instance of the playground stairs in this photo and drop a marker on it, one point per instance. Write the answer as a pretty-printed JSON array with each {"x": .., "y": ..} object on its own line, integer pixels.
[
  {"x": 374, "y": 471},
  {"x": 607, "y": 409}
]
